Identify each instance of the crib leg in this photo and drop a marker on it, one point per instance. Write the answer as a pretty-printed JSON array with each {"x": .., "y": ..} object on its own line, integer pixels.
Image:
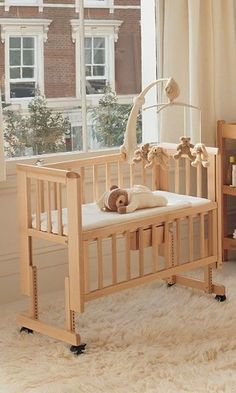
[
  {"x": 70, "y": 319},
  {"x": 32, "y": 323}
]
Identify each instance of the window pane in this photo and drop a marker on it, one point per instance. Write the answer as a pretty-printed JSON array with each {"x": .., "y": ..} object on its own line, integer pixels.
[
  {"x": 99, "y": 42},
  {"x": 15, "y": 72},
  {"x": 88, "y": 71},
  {"x": 99, "y": 56},
  {"x": 27, "y": 72},
  {"x": 88, "y": 56},
  {"x": 99, "y": 71},
  {"x": 22, "y": 89},
  {"x": 28, "y": 42},
  {"x": 95, "y": 86},
  {"x": 15, "y": 58},
  {"x": 88, "y": 42},
  {"x": 28, "y": 57},
  {"x": 15, "y": 42}
]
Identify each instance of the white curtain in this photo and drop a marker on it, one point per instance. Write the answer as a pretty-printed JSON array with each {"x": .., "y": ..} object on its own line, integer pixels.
[
  {"x": 199, "y": 51},
  {"x": 2, "y": 160}
]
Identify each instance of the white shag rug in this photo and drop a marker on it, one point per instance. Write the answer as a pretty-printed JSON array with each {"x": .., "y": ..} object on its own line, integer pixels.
[{"x": 151, "y": 339}]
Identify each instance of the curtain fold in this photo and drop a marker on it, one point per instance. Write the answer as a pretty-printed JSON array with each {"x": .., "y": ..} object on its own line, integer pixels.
[
  {"x": 2, "y": 159},
  {"x": 199, "y": 51}
]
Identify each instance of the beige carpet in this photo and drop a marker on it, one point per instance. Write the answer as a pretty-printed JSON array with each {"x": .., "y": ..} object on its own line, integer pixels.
[{"x": 151, "y": 339}]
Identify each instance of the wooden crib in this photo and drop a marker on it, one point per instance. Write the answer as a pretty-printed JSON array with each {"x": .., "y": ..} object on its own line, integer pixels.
[{"x": 152, "y": 245}]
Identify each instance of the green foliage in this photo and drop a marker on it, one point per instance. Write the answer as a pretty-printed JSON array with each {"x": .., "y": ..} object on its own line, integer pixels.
[
  {"x": 110, "y": 119},
  {"x": 42, "y": 129}
]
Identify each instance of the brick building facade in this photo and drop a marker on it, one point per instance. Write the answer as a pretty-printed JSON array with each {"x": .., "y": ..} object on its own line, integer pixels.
[{"x": 50, "y": 59}]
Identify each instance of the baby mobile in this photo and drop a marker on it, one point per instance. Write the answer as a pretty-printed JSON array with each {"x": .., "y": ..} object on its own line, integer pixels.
[{"x": 150, "y": 154}]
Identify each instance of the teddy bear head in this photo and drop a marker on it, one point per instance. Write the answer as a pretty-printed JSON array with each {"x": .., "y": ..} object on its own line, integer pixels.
[
  {"x": 185, "y": 141},
  {"x": 115, "y": 199}
]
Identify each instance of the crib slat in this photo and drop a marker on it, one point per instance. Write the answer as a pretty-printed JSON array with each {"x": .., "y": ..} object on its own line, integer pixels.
[
  {"x": 95, "y": 182},
  {"x": 199, "y": 180},
  {"x": 187, "y": 178},
  {"x": 141, "y": 252},
  {"x": 131, "y": 174},
  {"x": 108, "y": 176},
  {"x": 48, "y": 206},
  {"x": 155, "y": 177},
  {"x": 38, "y": 204},
  {"x": 177, "y": 176},
  {"x": 59, "y": 209},
  {"x": 190, "y": 237},
  {"x": 54, "y": 196},
  {"x": 127, "y": 255},
  {"x": 202, "y": 236},
  {"x": 143, "y": 174},
  {"x": 120, "y": 174},
  {"x": 86, "y": 268},
  {"x": 154, "y": 249},
  {"x": 114, "y": 259},
  {"x": 100, "y": 263}
]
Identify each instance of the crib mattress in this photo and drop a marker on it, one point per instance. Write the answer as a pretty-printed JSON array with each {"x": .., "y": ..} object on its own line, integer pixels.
[{"x": 94, "y": 218}]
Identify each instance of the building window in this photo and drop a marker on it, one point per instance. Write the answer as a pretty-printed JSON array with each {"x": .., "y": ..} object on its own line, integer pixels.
[
  {"x": 24, "y": 56},
  {"x": 23, "y": 3},
  {"x": 95, "y": 61},
  {"x": 99, "y": 46},
  {"x": 22, "y": 72},
  {"x": 99, "y": 4}
]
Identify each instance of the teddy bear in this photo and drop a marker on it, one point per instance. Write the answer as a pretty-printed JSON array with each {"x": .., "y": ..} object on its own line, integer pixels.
[
  {"x": 200, "y": 155},
  {"x": 141, "y": 153},
  {"x": 157, "y": 156},
  {"x": 128, "y": 200},
  {"x": 184, "y": 148}
]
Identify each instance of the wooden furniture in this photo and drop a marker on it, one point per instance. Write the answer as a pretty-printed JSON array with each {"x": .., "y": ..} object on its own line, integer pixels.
[
  {"x": 226, "y": 131},
  {"x": 193, "y": 230}
]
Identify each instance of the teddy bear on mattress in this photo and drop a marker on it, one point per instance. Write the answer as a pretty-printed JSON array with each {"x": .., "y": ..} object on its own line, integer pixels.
[{"x": 128, "y": 200}]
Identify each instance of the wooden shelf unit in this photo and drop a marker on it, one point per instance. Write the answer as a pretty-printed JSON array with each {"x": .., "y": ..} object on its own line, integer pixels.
[{"x": 226, "y": 131}]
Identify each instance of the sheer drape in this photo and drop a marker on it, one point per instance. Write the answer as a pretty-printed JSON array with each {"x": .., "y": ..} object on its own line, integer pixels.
[
  {"x": 2, "y": 160},
  {"x": 199, "y": 51}
]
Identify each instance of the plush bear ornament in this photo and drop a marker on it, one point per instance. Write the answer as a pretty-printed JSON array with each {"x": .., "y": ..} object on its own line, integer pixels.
[
  {"x": 201, "y": 156},
  {"x": 128, "y": 200},
  {"x": 157, "y": 156},
  {"x": 184, "y": 148},
  {"x": 141, "y": 154}
]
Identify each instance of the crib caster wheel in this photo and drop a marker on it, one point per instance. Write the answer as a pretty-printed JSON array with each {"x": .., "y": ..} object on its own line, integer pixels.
[
  {"x": 78, "y": 349},
  {"x": 220, "y": 298},
  {"x": 26, "y": 330}
]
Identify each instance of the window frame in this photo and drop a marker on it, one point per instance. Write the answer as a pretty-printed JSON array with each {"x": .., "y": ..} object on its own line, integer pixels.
[
  {"x": 97, "y": 28},
  {"x": 23, "y": 3},
  {"x": 35, "y": 65},
  {"x": 37, "y": 28},
  {"x": 106, "y": 73}
]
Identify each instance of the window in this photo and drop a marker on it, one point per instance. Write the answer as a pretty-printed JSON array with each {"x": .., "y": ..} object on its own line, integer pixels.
[
  {"x": 22, "y": 67},
  {"x": 9, "y": 3},
  {"x": 24, "y": 56},
  {"x": 100, "y": 39},
  {"x": 98, "y": 3},
  {"x": 95, "y": 62}
]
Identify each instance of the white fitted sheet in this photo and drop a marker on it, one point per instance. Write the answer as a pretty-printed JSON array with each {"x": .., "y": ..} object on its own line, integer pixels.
[{"x": 93, "y": 217}]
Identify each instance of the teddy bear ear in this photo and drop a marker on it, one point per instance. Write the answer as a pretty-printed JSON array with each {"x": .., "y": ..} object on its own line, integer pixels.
[{"x": 113, "y": 187}]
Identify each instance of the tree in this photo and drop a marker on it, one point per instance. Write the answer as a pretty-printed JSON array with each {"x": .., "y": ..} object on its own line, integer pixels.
[
  {"x": 42, "y": 129},
  {"x": 110, "y": 119}
]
